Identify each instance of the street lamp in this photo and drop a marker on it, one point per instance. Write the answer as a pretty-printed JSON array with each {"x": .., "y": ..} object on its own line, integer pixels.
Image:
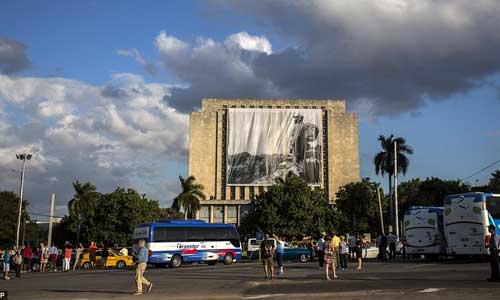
[{"x": 23, "y": 157}]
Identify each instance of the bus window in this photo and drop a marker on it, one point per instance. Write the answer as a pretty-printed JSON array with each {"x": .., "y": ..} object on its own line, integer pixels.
[
  {"x": 493, "y": 206},
  {"x": 169, "y": 234}
]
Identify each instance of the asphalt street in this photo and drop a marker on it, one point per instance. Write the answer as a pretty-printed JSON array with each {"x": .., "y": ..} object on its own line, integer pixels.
[{"x": 413, "y": 280}]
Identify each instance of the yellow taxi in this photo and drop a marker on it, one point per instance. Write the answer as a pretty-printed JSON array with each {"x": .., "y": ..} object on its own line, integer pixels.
[{"x": 115, "y": 259}]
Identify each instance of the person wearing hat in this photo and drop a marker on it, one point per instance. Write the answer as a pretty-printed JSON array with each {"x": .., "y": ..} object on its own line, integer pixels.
[{"x": 492, "y": 244}]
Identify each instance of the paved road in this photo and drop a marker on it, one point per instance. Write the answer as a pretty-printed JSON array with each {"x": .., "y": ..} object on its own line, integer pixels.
[{"x": 245, "y": 281}]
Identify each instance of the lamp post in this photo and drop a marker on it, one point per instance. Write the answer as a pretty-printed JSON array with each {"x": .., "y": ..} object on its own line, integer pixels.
[{"x": 23, "y": 157}]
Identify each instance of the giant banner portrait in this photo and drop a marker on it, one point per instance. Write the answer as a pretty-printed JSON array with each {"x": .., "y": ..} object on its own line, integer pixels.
[{"x": 267, "y": 144}]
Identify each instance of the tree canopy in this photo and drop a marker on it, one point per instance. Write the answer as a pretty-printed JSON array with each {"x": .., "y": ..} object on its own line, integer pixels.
[
  {"x": 292, "y": 209},
  {"x": 9, "y": 203},
  {"x": 190, "y": 196}
]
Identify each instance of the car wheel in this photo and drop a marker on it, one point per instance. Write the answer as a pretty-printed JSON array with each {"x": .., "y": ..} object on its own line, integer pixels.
[
  {"x": 121, "y": 264},
  {"x": 211, "y": 262},
  {"x": 86, "y": 265},
  {"x": 35, "y": 267},
  {"x": 228, "y": 259},
  {"x": 176, "y": 261},
  {"x": 303, "y": 258}
]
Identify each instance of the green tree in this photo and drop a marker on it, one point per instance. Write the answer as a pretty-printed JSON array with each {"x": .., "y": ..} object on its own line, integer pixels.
[
  {"x": 359, "y": 201},
  {"x": 429, "y": 192},
  {"x": 190, "y": 196},
  {"x": 292, "y": 209},
  {"x": 384, "y": 162},
  {"x": 9, "y": 203},
  {"x": 106, "y": 218},
  {"x": 82, "y": 208},
  {"x": 494, "y": 184}
]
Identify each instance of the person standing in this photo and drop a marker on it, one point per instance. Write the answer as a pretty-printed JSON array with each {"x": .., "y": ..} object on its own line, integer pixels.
[
  {"x": 382, "y": 247},
  {"x": 392, "y": 238},
  {"x": 53, "y": 252},
  {"x": 267, "y": 249},
  {"x": 6, "y": 263},
  {"x": 320, "y": 250},
  {"x": 352, "y": 243},
  {"x": 68, "y": 251},
  {"x": 343, "y": 253},
  {"x": 104, "y": 256},
  {"x": 27, "y": 257},
  {"x": 492, "y": 244},
  {"x": 329, "y": 259},
  {"x": 44, "y": 257},
  {"x": 141, "y": 264},
  {"x": 280, "y": 251},
  {"x": 18, "y": 262},
  {"x": 359, "y": 253},
  {"x": 336, "y": 248},
  {"x": 92, "y": 254},
  {"x": 79, "y": 251}
]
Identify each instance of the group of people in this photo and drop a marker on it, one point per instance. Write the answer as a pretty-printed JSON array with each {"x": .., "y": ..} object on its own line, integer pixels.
[
  {"x": 383, "y": 242},
  {"x": 21, "y": 258},
  {"x": 332, "y": 251}
]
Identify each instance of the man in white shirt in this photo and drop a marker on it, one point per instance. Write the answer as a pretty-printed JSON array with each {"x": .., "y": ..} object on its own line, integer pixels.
[
  {"x": 53, "y": 252},
  {"x": 321, "y": 253}
]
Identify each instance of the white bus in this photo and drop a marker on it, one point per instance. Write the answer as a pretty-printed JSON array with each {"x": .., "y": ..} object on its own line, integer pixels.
[
  {"x": 466, "y": 217},
  {"x": 186, "y": 241},
  {"x": 423, "y": 228}
]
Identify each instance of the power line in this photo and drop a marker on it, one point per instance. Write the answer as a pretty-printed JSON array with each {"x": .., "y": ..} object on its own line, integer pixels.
[{"x": 482, "y": 170}]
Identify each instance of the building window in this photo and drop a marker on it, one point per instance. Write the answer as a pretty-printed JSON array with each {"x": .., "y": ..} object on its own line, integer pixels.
[
  {"x": 218, "y": 214},
  {"x": 251, "y": 192},
  {"x": 232, "y": 214},
  {"x": 205, "y": 213},
  {"x": 261, "y": 190},
  {"x": 242, "y": 193},
  {"x": 232, "y": 192}
]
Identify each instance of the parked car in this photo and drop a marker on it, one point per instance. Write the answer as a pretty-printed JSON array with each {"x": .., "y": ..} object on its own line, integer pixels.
[
  {"x": 291, "y": 253},
  {"x": 115, "y": 259}
]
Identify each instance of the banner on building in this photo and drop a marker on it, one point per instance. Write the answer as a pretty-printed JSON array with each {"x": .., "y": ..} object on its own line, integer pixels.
[{"x": 267, "y": 144}]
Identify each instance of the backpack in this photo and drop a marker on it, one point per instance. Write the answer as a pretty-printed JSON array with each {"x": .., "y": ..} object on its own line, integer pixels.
[
  {"x": 268, "y": 249},
  {"x": 18, "y": 260}
]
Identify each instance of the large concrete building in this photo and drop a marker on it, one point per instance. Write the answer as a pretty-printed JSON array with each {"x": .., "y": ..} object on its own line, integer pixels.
[{"x": 238, "y": 147}]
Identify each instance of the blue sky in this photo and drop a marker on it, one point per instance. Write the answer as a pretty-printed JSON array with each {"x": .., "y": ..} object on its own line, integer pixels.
[{"x": 91, "y": 112}]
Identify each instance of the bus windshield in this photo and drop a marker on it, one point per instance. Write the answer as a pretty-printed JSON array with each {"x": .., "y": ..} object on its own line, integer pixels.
[{"x": 493, "y": 206}]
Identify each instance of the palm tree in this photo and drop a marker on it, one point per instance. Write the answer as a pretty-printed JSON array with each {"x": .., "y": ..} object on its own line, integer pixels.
[
  {"x": 384, "y": 162},
  {"x": 189, "y": 198},
  {"x": 82, "y": 202}
]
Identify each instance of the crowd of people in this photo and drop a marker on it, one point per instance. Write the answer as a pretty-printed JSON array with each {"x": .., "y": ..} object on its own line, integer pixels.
[
  {"x": 21, "y": 258},
  {"x": 332, "y": 252}
]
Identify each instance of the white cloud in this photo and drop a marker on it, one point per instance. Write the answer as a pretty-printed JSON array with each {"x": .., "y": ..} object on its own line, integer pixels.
[
  {"x": 247, "y": 42},
  {"x": 117, "y": 134}
]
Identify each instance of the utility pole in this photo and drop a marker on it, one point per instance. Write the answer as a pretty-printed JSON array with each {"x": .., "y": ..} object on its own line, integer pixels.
[
  {"x": 396, "y": 187},
  {"x": 380, "y": 210},
  {"x": 51, "y": 219},
  {"x": 22, "y": 157}
]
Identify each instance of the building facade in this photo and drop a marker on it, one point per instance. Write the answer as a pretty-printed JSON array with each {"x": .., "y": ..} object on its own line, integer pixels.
[{"x": 237, "y": 149}]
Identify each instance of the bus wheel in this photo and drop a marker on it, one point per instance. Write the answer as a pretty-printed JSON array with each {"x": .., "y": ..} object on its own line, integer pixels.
[
  {"x": 176, "y": 261},
  {"x": 303, "y": 257},
  {"x": 228, "y": 259},
  {"x": 211, "y": 262}
]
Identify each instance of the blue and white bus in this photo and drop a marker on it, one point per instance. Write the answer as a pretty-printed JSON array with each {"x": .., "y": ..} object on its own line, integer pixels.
[
  {"x": 423, "y": 228},
  {"x": 466, "y": 217},
  {"x": 176, "y": 242}
]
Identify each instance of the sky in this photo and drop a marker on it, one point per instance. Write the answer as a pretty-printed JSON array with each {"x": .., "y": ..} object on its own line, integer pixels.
[{"x": 101, "y": 91}]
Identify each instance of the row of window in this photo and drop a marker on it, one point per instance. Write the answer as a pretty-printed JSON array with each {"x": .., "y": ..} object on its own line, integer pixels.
[{"x": 194, "y": 234}]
